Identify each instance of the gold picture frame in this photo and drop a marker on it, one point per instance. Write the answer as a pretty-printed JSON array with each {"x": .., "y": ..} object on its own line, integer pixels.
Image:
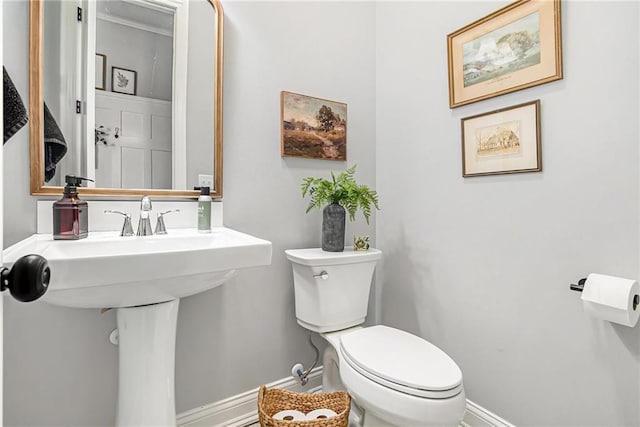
[
  {"x": 514, "y": 48},
  {"x": 503, "y": 141},
  {"x": 101, "y": 71},
  {"x": 313, "y": 128}
]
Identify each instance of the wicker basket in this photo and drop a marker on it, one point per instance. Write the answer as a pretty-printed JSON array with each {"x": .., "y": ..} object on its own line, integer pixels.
[{"x": 275, "y": 400}]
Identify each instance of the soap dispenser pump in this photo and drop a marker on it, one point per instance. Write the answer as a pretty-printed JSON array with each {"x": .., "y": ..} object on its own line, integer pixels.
[{"x": 70, "y": 214}]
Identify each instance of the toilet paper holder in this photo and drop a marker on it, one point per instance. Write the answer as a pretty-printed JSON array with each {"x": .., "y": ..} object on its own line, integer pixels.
[{"x": 580, "y": 287}]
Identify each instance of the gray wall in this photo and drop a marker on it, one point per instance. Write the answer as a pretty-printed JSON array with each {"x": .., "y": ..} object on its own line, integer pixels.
[
  {"x": 481, "y": 266},
  {"x": 244, "y": 333},
  {"x": 19, "y": 207},
  {"x": 59, "y": 366},
  {"x": 149, "y": 54}
]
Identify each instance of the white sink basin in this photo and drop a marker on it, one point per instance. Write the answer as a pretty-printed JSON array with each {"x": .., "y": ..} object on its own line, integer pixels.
[
  {"x": 134, "y": 275},
  {"x": 106, "y": 270}
]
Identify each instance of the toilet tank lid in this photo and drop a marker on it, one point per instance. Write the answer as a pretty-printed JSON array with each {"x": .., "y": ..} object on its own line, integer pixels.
[{"x": 318, "y": 257}]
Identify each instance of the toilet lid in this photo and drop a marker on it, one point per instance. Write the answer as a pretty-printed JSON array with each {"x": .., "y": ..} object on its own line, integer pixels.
[{"x": 402, "y": 361}]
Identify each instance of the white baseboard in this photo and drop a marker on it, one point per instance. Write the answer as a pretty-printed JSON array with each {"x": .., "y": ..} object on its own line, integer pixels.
[
  {"x": 242, "y": 410},
  {"x": 477, "y": 416}
]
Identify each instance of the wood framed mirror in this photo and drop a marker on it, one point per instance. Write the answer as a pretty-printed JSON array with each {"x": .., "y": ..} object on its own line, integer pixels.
[{"x": 94, "y": 140}]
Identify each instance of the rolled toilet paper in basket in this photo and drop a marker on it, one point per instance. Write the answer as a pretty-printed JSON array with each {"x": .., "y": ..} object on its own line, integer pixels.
[
  {"x": 612, "y": 298},
  {"x": 289, "y": 415},
  {"x": 319, "y": 414}
]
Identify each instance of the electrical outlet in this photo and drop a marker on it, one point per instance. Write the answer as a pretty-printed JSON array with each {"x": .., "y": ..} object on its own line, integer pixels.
[{"x": 205, "y": 180}]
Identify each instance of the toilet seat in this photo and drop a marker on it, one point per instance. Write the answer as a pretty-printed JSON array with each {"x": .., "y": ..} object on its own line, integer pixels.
[{"x": 402, "y": 362}]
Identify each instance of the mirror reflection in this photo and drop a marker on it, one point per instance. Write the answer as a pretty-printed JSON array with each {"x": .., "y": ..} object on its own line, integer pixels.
[
  {"x": 133, "y": 100},
  {"x": 142, "y": 74}
]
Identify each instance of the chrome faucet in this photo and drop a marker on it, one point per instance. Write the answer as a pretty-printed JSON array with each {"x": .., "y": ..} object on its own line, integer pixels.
[
  {"x": 144, "y": 224},
  {"x": 127, "y": 229},
  {"x": 161, "y": 228}
]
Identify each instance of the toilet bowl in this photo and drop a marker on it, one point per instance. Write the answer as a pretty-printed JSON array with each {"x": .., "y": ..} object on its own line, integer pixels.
[{"x": 394, "y": 377}]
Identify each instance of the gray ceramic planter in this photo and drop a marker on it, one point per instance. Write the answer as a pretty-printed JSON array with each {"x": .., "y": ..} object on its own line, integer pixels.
[{"x": 333, "y": 223}]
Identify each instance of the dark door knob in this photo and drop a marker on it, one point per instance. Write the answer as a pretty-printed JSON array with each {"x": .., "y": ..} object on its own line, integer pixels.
[{"x": 28, "y": 278}]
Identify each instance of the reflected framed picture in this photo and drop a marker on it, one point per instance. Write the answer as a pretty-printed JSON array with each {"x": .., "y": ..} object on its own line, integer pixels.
[
  {"x": 516, "y": 47},
  {"x": 502, "y": 141},
  {"x": 123, "y": 81},
  {"x": 311, "y": 127},
  {"x": 101, "y": 71}
]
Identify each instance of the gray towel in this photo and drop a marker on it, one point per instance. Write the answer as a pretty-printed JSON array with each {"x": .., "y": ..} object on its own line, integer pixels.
[
  {"x": 55, "y": 147},
  {"x": 15, "y": 114}
]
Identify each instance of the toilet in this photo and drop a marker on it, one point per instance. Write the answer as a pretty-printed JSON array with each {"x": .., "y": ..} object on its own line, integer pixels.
[{"x": 394, "y": 378}]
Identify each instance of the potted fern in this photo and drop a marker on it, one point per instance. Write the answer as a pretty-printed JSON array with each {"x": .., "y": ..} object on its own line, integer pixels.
[{"x": 338, "y": 195}]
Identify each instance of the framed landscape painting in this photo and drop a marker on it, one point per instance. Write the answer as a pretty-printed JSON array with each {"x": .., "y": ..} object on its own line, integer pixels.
[
  {"x": 312, "y": 127},
  {"x": 502, "y": 141},
  {"x": 517, "y": 47}
]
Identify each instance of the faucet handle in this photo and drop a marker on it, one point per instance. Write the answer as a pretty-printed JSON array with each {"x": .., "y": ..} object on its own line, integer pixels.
[
  {"x": 145, "y": 203},
  {"x": 127, "y": 228},
  {"x": 160, "y": 227}
]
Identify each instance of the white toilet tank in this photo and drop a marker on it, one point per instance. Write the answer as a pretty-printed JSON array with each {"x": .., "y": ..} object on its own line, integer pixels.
[{"x": 332, "y": 288}]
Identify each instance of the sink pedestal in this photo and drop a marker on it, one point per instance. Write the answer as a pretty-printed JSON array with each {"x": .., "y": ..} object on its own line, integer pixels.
[{"x": 147, "y": 342}]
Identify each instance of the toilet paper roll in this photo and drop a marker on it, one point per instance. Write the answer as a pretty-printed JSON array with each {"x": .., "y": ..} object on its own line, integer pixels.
[
  {"x": 289, "y": 415},
  {"x": 612, "y": 298},
  {"x": 321, "y": 414}
]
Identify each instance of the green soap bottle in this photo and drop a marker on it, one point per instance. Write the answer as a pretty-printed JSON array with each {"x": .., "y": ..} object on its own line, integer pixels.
[{"x": 204, "y": 210}]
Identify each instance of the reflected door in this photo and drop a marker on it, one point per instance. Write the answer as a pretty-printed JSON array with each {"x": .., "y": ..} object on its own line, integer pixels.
[{"x": 136, "y": 150}]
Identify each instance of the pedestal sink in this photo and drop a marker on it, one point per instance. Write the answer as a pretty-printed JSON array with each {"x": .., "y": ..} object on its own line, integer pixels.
[{"x": 143, "y": 278}]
